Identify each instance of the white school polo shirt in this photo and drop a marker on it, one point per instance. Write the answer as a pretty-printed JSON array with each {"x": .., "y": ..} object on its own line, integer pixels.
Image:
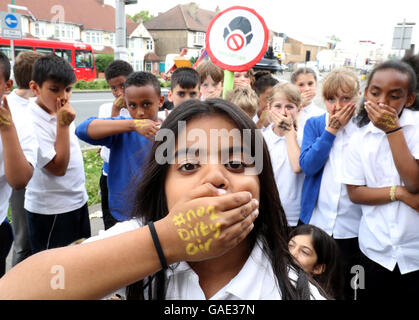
[
  {"x": 105, "y": 111},
  {"x": 47, "y": 193},
  {"x": 28, "y": 143},
  {"x": 256, "y": 119},
  {"x": 289, "y": 184},
  {"x": 255, "y": 281},
  {"x": 388, "y": 233},
  {"x": 312, "y": 110},
  {"x": 334, "y": 212}
]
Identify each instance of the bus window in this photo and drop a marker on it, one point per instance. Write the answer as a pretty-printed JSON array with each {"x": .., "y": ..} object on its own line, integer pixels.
[
  {"x": 7, "y": 51},
  {"x": 22, "y": 49},
  {"x": 63, "y": 53},
  {"x": 44, "y": 50},
  {"x": 84, "y": 59}
]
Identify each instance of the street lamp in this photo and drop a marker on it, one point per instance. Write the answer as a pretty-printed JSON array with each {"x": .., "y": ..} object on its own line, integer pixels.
[
  {"x": 23, "y": 8},
  {"x": 120, "y": 29}
]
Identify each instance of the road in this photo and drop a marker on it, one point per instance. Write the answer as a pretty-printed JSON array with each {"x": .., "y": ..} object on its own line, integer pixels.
[{"x": 86, "y": 104}]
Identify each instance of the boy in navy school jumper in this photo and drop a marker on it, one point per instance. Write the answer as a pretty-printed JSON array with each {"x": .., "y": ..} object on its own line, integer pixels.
[
  {"x": 56, "y": 197},
  {"x": 127, "y": 138},
  {"x": 18, "y": 148},
  {"x": 116, "y": 74}
]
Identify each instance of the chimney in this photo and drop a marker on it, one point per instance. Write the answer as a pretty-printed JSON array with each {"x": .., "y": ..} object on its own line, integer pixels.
[{"x": 193, "y": 8}]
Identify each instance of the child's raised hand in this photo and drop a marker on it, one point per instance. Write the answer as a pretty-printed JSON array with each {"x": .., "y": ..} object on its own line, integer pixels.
[
  {"x": 206, "y": 223},
  {"x": 65, "y": 113},
  {"x": 382, "y": 116},
  {"x": 146, "y": 127},
  {"x": 307, "y": 97},
  {"x": 5, "y": 114},
  {"x": 265, "y": 118},
  {"x": 119, "y": 103},
  {"x": 285, "y": 123},
  {"x": 340, "y": 118}
]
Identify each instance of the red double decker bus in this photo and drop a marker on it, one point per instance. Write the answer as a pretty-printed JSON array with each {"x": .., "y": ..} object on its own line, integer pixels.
[{"x": 79, "y": 55}]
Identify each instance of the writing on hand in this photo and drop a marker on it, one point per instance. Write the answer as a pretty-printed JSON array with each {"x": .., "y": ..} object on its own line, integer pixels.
[{"x": 196, "y": 232}]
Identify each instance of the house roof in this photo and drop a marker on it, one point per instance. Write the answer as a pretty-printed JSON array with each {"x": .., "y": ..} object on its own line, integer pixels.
[
  {"x": 91, "y": 14},
  {"x": 308, "y": 40},
  {"x": 151, "y": 56},
  {"x": 182, "y": 17}
]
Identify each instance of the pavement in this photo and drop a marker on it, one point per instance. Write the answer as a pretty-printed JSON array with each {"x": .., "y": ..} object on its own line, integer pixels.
[{"x": 96, "y": 224}]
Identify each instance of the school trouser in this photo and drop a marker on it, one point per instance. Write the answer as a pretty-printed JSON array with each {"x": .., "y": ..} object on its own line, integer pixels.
[
  {"x": 6, "y": 239},
  {"x": 383, "y": 284},
  {"x": 349, "y": 255},
  {"x": 57, "y": 230},
  {"x": 21, "y": 244},
  {"x": 108, "y": 219}
]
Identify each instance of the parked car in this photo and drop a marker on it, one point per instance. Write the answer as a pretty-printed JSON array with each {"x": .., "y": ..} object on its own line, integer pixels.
[{"x": 269, "y": 62}]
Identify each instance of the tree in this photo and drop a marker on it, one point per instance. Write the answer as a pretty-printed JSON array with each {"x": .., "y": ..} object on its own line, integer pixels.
[
  {"x": 102, "y": 61},
  {"x": 144, "y": 15}
]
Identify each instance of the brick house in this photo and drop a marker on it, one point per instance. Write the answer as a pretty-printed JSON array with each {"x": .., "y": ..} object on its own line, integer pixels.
[
  {"x": 71, "y": 21},
  {"x": 300, "y": 49},
  {"x": 183, "y": 26}
]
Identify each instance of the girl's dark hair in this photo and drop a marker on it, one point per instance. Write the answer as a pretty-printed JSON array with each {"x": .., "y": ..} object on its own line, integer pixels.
[
  {"x": 295, "y": 74},
  {"x": 361, "y": 119},
  {"x": 263, "y": 82},
  {"x": 413, "y": 61},
  {"x": 270, "y": 227},
  {"x": 331, "y": 280}
]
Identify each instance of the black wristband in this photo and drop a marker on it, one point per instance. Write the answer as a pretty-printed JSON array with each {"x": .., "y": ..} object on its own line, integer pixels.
[
  {"x": 394, "y": 130},
  {"x": 157, "y": 245}
]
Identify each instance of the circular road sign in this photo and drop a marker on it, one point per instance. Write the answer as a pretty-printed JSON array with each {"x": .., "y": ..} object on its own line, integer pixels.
[
  {"x": 11, "y": 21},
  {"x": 237, "y": 38}
]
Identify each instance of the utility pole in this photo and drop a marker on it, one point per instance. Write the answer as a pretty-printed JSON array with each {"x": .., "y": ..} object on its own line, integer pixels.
[{"x": 121, "y": 52}]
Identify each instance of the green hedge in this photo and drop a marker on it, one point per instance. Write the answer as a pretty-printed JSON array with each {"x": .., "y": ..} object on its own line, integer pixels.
[
  {"x": 102, "y": 61},
  {"x": 97, "y": 84}
]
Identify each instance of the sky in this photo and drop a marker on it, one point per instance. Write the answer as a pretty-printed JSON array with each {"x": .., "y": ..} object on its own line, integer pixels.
[{"x": 349, "y": 20}]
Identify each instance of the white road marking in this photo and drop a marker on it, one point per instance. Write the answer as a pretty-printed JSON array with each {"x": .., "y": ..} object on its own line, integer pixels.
[{"x": 85, "y": 101}]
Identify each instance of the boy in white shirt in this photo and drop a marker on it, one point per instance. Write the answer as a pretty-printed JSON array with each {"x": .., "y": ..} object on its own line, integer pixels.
[
  {"x": 56, "y": 197},
  {"x": 263, "y": 85},
  {"x": 185, "y": 84},
  {"x": 18, "y": 149},
  {"x": 19, "y": 99}
]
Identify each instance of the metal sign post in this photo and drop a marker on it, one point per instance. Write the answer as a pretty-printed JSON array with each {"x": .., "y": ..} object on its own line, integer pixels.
[
  {"x": 402, "y": 36},
  {"x": 11, "y": 28}
]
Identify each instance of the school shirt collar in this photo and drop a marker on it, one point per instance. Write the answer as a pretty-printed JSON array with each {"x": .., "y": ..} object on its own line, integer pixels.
[
  {"x": 247, "y": 284},
  {"x": 41, "y": 112},
  {"x": 272, "y": 135},
  {"x": 406, "y": 119}
]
